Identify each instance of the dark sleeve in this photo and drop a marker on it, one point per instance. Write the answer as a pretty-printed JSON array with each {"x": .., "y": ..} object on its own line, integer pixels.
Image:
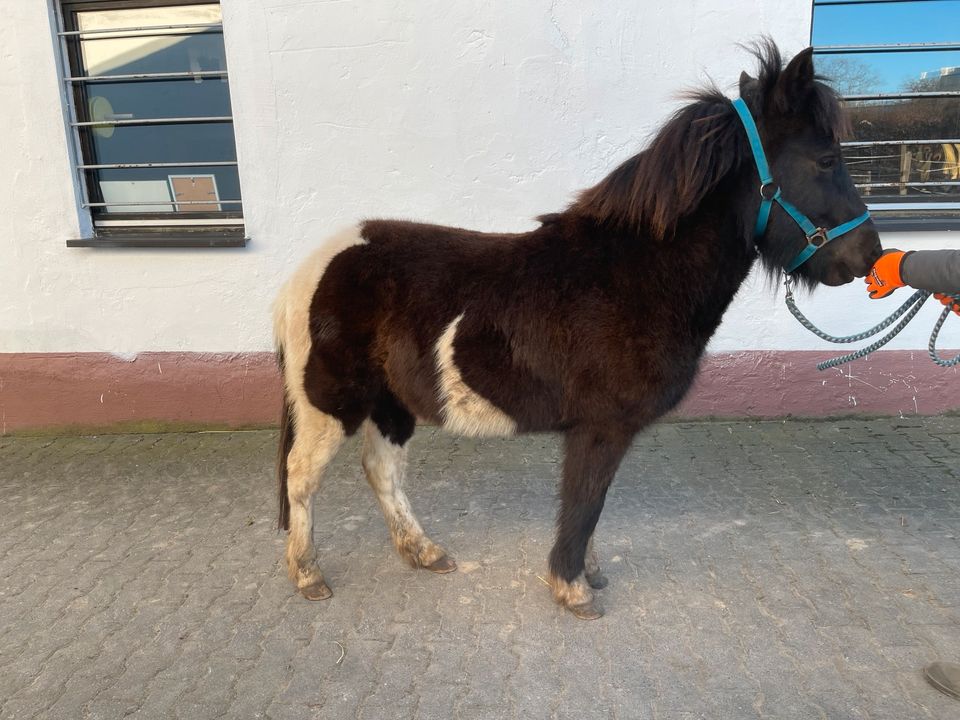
[{"x": 933, "y": 270}]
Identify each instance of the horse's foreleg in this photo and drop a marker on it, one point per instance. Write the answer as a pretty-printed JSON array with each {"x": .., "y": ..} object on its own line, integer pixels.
[
  {"x": 384, "y": 463},
  {"x": 592, "y": 456},
  {"x": 591, "y": 567},
  {"x": 318, "y": 436}
]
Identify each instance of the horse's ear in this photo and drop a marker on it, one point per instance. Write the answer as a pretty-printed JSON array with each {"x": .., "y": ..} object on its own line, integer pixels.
[
  {"x": 796, "y": 80},
  {"x": 746, "y": 83}
]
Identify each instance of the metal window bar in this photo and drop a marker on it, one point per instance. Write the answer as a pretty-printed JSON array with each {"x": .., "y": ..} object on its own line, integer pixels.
[
  {"x": 888, "y": 48},
  {"x": 147, "y": 29},
  {"x": 166, "y": 221},
  {"x": 875, "y": 143},
  {"x": 950, "y": 183},
  {"x": 127, "y": 166},
  {"x": 167, "y": 203},
  {"x": 72, "y": 118},
  {"x": 158, "y": 121},
  {"x": 919, "y": 95},
  {"x": 189, "y": 75},
  {"x": 913, "y": 205},
  {"x": 824, "y": 3},
  {"x": 77, "y": 123}
]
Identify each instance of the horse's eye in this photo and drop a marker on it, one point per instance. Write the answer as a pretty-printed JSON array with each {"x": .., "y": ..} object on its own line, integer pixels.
[{"x": 827, "y": 162}]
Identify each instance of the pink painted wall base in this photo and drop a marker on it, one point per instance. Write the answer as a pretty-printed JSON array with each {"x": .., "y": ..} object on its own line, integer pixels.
[{"x": 97, "y": 390}]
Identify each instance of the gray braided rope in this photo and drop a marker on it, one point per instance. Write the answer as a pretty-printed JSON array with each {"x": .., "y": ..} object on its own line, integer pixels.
[
  {"x": 908, "y": 310},
  {"x": 932, "y": 345}
]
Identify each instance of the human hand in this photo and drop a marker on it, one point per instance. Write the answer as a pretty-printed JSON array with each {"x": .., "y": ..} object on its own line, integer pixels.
[
  {"x": 948, "y": 301},
  {"x": 884, "y": 276}
]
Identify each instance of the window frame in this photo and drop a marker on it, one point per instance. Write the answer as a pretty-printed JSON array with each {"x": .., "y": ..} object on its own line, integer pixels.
[
  {"x": 129, "y": 229},
  {"x": 902, "y": 216}
]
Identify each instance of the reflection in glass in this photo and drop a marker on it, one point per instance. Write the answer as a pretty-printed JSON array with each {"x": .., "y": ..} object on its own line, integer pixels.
[
  {"x": 904, "y": 116},
  {"x": 910, "y": 166},
  {"x": 155, "y": 50},
  {"x": 137, "y": 42}
]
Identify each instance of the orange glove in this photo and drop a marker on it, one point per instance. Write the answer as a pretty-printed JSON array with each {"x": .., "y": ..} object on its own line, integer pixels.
[
  {"x": 884, "y": 276},
  {"x": 948, "y": 301}
]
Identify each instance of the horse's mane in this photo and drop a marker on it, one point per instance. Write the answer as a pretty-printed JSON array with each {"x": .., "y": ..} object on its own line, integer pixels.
[{"x": 697, "y": 148}]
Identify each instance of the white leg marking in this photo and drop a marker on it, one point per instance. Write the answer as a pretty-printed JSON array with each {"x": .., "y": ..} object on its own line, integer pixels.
[
  {"x": 464, "y": 411},
  {"x": 385, "y": 465},
  {"x": 317, "y": 435},
  {"x": 573, "y": 594}
]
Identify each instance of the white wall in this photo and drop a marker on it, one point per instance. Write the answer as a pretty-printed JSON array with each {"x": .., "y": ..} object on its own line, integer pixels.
[{"x": 474, "y": 114}]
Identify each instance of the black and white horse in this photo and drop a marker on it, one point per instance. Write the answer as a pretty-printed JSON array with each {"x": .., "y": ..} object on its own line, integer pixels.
[{"x": 592, "y": 325}]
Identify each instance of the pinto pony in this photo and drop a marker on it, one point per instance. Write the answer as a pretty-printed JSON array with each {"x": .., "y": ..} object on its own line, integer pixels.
[{"x": 591, "y": 325}]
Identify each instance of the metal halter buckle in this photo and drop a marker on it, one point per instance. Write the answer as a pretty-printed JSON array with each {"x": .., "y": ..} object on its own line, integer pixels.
[
  {"x": 766, "y": 186},
  {"x": 819, "y": 238}
]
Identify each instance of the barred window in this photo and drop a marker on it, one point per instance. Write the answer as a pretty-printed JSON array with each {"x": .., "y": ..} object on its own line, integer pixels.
[
  {"x": 897, "y": 64},
  {"x": 149, "y": 107}
]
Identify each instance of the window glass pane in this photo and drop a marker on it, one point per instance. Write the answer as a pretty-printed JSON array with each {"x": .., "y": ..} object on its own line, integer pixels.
[
  {"x": 154, "y": 50},
  {"x": 137, "y": 42},
  {"x": 194, "y": 142},
  {"x": 203, "y": 97},
  {"x": 881, "y": 23},
  {"x": 896, "y": 164},
  {"x": 920, "y": 171},
  {"x": 158, "y": 189},
  {"x": 873, "y": 73},
  {"x": 913, "y": 119}
]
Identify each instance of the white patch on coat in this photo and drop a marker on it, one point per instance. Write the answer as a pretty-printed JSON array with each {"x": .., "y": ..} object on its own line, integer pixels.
[
  {"x": 464, "y": 411},
  {"x": 385, "y": 465},
  {"x": 291, "y": 310},
  {"x": 571, "y": 594},
  {"x": 317, "y": 436}
]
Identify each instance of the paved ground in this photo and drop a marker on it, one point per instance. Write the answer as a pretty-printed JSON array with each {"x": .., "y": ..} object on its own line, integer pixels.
[{"x": 758, "y": 570}]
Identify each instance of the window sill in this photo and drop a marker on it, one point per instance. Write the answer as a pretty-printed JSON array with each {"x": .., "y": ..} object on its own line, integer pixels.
[{"x": 206, "y": 237}]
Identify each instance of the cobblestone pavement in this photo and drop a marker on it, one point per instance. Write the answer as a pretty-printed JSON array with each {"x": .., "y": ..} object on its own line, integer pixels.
[{"x": 757, "y": 570}]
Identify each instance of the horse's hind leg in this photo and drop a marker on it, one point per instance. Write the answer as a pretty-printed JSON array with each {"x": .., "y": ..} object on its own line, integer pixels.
[
  {"x": 384, "y": 461},
  {"x": 591, "y": 458},
  {"x": 318, "y": 436}
]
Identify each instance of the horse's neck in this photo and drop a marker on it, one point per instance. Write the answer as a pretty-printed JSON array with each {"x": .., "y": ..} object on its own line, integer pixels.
[{"x": 706, "y": 262}]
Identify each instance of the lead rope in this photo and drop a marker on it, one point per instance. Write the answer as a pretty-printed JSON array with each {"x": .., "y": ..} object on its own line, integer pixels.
[{"x": 910, "y": 308}]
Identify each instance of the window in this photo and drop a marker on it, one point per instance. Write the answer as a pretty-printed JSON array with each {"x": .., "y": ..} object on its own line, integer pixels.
[
  {"x": 149, "y": 107},
  {"x": 897, "y": 64}
]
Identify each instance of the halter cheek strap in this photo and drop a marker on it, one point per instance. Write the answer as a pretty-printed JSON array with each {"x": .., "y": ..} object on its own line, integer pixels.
[{"x": 770, "y": 194}]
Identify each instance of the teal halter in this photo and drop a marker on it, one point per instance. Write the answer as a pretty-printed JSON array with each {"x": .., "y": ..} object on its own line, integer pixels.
[{"x": 769, "y": 194}]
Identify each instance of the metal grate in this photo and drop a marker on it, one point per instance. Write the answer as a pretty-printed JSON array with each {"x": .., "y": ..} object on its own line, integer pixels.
[
  {"x": 900, "y": 168},
  {"x": 100, "y": 163}
]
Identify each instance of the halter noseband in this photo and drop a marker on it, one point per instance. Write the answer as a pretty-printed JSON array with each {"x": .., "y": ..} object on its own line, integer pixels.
[{"x": 770, "y": 193}]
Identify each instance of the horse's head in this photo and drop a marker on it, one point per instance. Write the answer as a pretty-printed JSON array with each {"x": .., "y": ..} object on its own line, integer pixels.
[{"x": 800, "y": 124}]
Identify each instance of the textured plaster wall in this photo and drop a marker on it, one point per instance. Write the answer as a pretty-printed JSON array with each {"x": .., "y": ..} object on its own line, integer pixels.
[{"x": 476, "y": 114}]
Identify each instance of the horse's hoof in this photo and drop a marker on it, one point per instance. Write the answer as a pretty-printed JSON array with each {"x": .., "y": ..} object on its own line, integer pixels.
[
  {"x": 316, "y": 591},
  {"x": 587, "y": 611},
  {"x": 442, "y": 565},
  {"x": 598, "y": 581}
]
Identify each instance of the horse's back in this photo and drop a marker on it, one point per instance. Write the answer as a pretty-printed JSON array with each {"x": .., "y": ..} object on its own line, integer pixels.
[{"x": 366, "y": 313}]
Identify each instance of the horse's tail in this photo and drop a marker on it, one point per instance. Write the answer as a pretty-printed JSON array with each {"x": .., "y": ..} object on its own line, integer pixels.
[{"x": 286, "y": 442}]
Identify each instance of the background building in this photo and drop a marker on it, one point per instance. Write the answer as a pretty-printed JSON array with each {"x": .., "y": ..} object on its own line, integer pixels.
[{"x": 143, "y": 293}]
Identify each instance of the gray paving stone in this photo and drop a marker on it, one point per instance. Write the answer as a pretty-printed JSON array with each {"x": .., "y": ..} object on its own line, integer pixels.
[{"x": 757, "y": 569}]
